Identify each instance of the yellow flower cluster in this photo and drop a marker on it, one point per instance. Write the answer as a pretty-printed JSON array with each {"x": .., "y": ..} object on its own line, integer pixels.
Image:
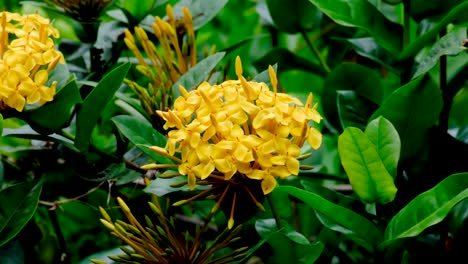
[
  {"x": 26, "y": 60},
  {"x": 239, "y": 127},
  {"x": 164, "y": 66}
]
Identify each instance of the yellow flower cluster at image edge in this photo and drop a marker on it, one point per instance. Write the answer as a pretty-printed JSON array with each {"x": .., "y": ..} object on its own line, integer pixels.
[
  {"x": 239, "y": 127},
  {"x": 27, "y": 55}
]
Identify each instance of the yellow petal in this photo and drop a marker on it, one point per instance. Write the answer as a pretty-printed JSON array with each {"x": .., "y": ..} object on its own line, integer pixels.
[
  {"x": 257, "y": 175},
  {"x": 203, "y": 170},
  {"x": 268, "y": 184},
  {"x": 314, "y": 138},
  {"x": 293, "y": 166}
]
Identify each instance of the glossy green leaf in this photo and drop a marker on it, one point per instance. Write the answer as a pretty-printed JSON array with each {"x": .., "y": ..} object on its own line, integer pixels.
[
  {"x": 202, "y": 11},
  {"x": 141, "y": 134},
  {"x": 387, "y": 142},
  {"x": 364, "y": 167},
  {"x": 199, "y": 73},
  {"x": 95, "y": 103},
  {"x": 417, "y": 45},
  {"x": 287, "y": 60},
  {"x": 412, "y": 109},
  {"x": 450, "y": 44},
  {"x": 294, "y": 16},
  {"x": 420, "y": 9},
  {"x": 369, "y": 48},
  {"x": 348, "y": 77},
  {"x": 138, "y": 9},
  {"x": 56, "y": 114},
  {"x": 354, "y": 110},
  {"x": 427, "y": 209},
  {"x": 363, "y": 15},
  {"x": 1, "y": 125},
  {"x": 18, "y": 204},
  {"x": 362, "y": 228}
]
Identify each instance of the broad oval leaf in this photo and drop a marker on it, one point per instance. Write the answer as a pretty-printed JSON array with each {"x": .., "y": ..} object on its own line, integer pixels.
[
  {"x": 427, "y": 209},
  {"x": 412, "y": 109},
  {"x": 95, "y": 103},
  {"x": 387, "y": 142},
  {"x": 141, "y": 134},
  {"x": 19, "y": 202},
  {"x": 363, "y": 15},
  {"x": 450, "y": 44},
  {"x": 366, "y": 171},
  {"x": 294, "y": 16},
  {"x": 362, "y": 228}
]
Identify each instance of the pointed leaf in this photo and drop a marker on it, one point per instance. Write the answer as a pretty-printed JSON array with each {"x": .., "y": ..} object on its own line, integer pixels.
[
  {"x": 412, "y": 109},
  {"x": 95, "y": 103},
  {"x": 363, "y": 15},
  {"x": 353, "y": 109},
  {"x": 387, "y": 142},
  {"x": 202, "y": 11},
  {"x": 427, "y": 209},
  {"x": 18, "y": 204},
  {"x": 295, "y": 16},
  {"x": 362, "y": 228},
  {"x": 199, "y": 73},
  {"x": 141, "y": 134},
  {"x": 450, "y": 44},
  {"x": 366, "y": 171}
]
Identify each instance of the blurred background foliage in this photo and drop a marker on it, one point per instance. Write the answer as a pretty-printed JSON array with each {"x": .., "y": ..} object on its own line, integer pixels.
[{"x": 403, "y": 60}]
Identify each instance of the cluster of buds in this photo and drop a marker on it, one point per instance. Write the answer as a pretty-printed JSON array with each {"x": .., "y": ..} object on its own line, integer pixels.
[
  {"x": 83, "y": 10},
  {"x": 27, "y": 55},
  {"x": 158, "y": 241},
  {"x": 164, "y": 67},
  {"x": 231, "y": 134}
]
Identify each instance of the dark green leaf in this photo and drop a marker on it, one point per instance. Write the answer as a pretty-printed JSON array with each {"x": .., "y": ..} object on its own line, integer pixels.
[
  {"x": 95, "y": 103},
  {"x": 161, "y": 186},
  {"x": 363, "y": 15},
  {"x": 366, "y": 171},
  {"x": 18, "y": 204},
  {"x": 1, "y": 125},
  {"x": 287, "y": 60},
  {"x": 420, "y": 9},
  {"x": 138, "y": 9},
  {"x": 202, "y": 11},
  {"x": 368, "y": 47},
  {"x": 363, "y": 229},
  {"x": 450, "y": 44},
  {"x": 196, "y": 75},
  {"x": 387, "y": 142},
  {"x": 412, "y": 109},
  {"x": 353, "y": 77},
  {"x": 354, "y": 110},
  {"x": 56, "y": 114},
  {"x": 427, "y": 209},
  {"x": 416, "y": 46},
  {"x": 142, "y": 135},
  {"x": 295, "y": 16},
  {"x": 12, "y": 253}
]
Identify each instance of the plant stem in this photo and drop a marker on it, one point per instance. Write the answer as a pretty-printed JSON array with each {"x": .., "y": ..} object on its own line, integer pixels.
[
  {"x": 406, "y": 23},
  {"x": 315, "y": 51},
  {"x": 62, "y": 244},
  {"x": 274, "y": 212}
]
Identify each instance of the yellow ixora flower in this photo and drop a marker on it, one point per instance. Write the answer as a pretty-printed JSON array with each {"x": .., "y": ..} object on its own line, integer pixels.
[
  {"x": 238, "y": 137},
  {"x": 165, "y": 65},
  {"x": 27, "y": 55}
]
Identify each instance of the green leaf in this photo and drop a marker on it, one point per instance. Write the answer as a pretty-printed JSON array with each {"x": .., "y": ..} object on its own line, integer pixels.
[
  {"x": 12, "y": 253},
  {"x": 354, "y": 110},
  {"x": 202, "y": 11},
  {"x": 1, "y": 125},
  {"x": 450, "y": 44},
  {"x": 286, "y": 61},
  {"x": 199, "y": 73},
  {"x": 366, "y": 171},
  {"x": 162, "y": 186},
  {"x": 138, "y": 9},
  {"x": 363, "y": 229},
  {"x": 416, "y": 46},
  {"x": 60, "y": 109},
  {"x": 387, "y": 142},
  {"x": 18, "y": 204},
  {"x": 363, "y": 15},
  {"x": 264, "y": 76},
  {"x": 412, "y": 109},
  {"x": 141, "y": 134},
  {"x": 348, "y": 77},
  {"x": 420, "y": 9},
  {"x": 427, "y": 209},
  {"x": 295, "y": 16},
  {"x": 95, "y": 103},
  {"x": 369, "y": 48}
]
